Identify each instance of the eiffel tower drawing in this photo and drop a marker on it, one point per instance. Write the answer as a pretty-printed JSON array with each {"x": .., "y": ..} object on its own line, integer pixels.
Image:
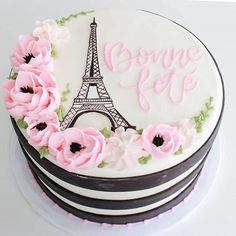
[{"x": 103, "y": 103}]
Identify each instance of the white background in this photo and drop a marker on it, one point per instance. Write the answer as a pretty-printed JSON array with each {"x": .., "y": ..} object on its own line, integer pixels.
[{"x": 214, "y": 24}]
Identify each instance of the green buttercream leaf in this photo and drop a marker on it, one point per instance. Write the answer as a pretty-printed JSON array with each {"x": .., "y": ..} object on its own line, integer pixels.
[
  {"x": 63, "y": 99},
  {"x": 43, "y": 151},
  {"x": 204, "y": 115},
  {"x": 199, "y": 128},
  {"x": 54, "y": 51},
  {"x": 180, "y": 150},
  {"x": 64, "y": 20},
  {"x": 106, "y": 132},
  {"x": 21, "y": 123},
  {"x": 60, "y": 113},
  {"x": 65, "y": 93},
  {"x": 140, "y": 131},
  {"x": 144, "y": 159},
  {"x": 12, "y": 76},
  {"x": 102, "y": 164}
]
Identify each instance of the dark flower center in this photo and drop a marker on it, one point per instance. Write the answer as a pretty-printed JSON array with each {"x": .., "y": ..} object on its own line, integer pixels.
[
  {"x": 158, "y": 140},
  {"x": 28, "y": 57},
  {"x": 75, "y": 147},
  {"x": 26, "y": 89},
  {"x": 40, "y": 126}
]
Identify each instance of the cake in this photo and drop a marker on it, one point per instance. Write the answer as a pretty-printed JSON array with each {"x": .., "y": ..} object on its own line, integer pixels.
[{"x": 115, "y": 112}]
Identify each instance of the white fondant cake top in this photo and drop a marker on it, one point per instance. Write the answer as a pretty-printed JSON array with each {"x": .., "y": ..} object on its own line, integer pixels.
[
  {"x": 130, "y": 32},
  {"x": 157, "y": 75}
]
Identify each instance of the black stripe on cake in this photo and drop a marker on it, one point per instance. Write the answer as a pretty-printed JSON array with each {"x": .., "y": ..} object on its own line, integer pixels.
[
  {"x": 112, "y": 204},
  {"x": 117, "y": 184},
  {"x": 121, "y": 219}
]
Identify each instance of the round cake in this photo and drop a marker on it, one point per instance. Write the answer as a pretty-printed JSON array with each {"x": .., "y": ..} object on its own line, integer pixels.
[{"x": 115, "y": 111}]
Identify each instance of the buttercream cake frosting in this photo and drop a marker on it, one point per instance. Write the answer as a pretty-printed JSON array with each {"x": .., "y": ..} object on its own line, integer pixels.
[{"x": 115, "y": 111}]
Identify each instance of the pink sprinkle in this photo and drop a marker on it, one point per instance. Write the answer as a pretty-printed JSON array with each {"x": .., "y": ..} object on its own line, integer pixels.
[
  {"x": 129, "y": 224},
  {"x": 195, "y": 186},
  {"x": 43, "y": 194},
  {"x": 85, "y": 221},
  {"x": 173, "y": 209},
  {"x": 115, "y": 225},
  {"x": 55, "y": 205},
  {"x": 146, "y": 221},
  {"x": 159, "y": 216},
  {"x": 71, "y": 216},
  {"x": 179, "y": 204},
  {"x": 34, "y": 181},
  {"x": 105, "y": 225},
  {"x": 186, "y": 199}
]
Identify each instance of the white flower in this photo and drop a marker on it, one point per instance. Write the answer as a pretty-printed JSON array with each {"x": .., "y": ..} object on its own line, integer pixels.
[
  {"x": 123, "y": 148},
  {"x": 186, "y": 128},
  {"x": 50, "y": 30}
]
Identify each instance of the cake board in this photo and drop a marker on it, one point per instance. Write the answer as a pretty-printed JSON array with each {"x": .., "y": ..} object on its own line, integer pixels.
[{"x": 65, "y": 221}]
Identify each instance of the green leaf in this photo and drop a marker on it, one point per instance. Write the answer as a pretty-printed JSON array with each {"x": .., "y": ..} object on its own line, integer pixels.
[
  {"x": 199, "y": 129},
  {"x": 63, "y": 99},
  {"x": 102, "y": 164},
  {"x": 180, "y": 150},
  {"x": 140, "y": 131},
  {"x": 13, "y": 76},
  {"x": 63, "y": 111},
  {"x": 106, "y": 132},
  {"x": 21, "y": 123},
  {"x": 64, "y": 20},
  {"x": 65, "y": 92},
  {"x": 60, "y": 113},
  {"x": 144, "y": 159},
  {"x": 207, "y": 105},
  {"x": 204, "y": 114},
  {"x": 67, "y": 89},
  {"x": 54, "y": 51},
  {"x": 43, "y": 151}
]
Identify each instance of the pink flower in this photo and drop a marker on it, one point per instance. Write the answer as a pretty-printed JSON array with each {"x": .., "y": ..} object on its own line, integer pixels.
[
  {"x": 161, "y": 140},
  {"x": 77, "y": 148},
  {"x": 40, "y": 128},
  {"x": 187, "y": 131},
  {"x": 31, "y": 94},
  {"x": 123, "y": 148},
  {"x": 50, "y": 30},
  {"x": 32, "y": 54}
]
